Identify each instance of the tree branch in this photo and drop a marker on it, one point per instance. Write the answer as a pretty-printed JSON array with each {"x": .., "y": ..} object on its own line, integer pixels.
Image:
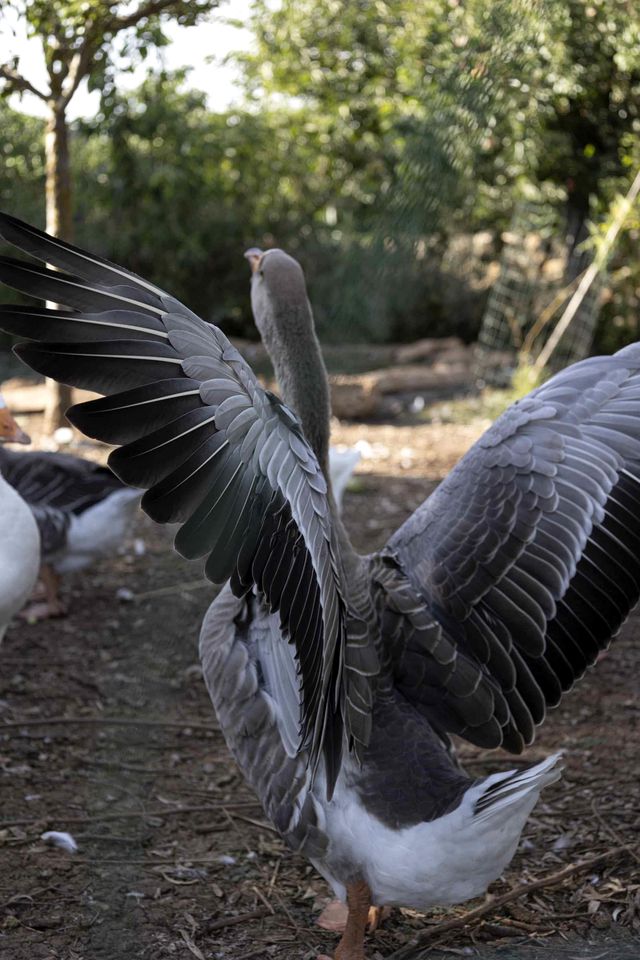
[
  {"x": 18, "y": 83},
  {"x": 81, "y": 61},
  {"x": 149, "y": 9},
  {"x": 79, "y": 68}
]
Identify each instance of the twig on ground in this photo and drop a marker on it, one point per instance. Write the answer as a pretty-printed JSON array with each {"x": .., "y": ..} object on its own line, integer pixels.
[
  {"x": 141, "y": 862},
  {"x": 238, "y": 918},
  {"x": 112, "y": 722},
  {"x": 274, "y": 875},
  {"x": 174, "y": 588},
  {"x": 254, "y": 823},
  {"x": 181, "y": 883},
  {"x": 521, "y": 925},
  {"x": 126, "y": 767},
  {"x": 260, "y": 895},
  {"x": 252, "y": 953},
  {"x": 285, "y": 909},
  {"x": 191, "y": 946},
  {"x": 18, "y": 897},
  {"x": 435, "y": 932},
  {"x": 608, "y": 829}
]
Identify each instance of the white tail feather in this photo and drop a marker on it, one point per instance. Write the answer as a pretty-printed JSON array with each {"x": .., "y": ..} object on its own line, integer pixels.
[{"x": 507, "y": 789}]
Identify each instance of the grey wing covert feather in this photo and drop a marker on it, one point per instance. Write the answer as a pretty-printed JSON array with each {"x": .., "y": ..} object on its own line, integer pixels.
[
  {"x": 251, "y": 719},
  {"x": 504, "y": 586}
]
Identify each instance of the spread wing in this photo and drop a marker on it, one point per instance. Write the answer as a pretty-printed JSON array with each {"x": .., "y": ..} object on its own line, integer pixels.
[
  {"x": 516, "y": 572},
  {"x": 215, "y": 451}
]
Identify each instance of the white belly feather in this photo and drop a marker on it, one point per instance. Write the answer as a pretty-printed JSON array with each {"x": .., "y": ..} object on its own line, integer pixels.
[{"x": 97, "y": 531}]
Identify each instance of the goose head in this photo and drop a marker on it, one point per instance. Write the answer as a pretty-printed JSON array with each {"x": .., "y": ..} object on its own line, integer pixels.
[
  {"x": 278, "y": 295},
  {"x": 10, "y": 432}
]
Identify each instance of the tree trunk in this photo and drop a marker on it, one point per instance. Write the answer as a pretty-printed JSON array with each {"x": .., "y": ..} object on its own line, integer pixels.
[{"x": 60, "y": 224}]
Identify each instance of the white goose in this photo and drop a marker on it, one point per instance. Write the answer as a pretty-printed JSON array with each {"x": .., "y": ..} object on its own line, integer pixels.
[
  {"x": 338, "y": 678},
  {"x": 342, "y": 463},
  {"x": 19, "y": 538}
]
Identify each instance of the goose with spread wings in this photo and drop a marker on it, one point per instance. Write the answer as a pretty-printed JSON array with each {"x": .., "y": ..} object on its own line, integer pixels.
[{"x": 338, "y": 678}]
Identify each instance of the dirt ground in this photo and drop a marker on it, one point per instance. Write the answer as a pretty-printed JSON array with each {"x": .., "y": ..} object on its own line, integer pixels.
[{"x": 106, "y": 731}]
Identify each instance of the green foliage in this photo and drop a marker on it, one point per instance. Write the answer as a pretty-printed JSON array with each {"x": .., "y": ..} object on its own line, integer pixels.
[
  {"x": 21, "y": 188},
  {"x": 21, "y": 169},
  {"x": 21, "y": 163},
  {"x": 375, "y": 138},
  {"x": 168, "y": 197}
]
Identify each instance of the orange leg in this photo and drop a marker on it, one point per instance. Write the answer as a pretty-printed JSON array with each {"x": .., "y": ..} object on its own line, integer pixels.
[
  {"x": 351, "y": 946},
  {"x": 52, "y": 605},
  {"x": 377, "y": 916},
  {"x": 334, "y": 917}
]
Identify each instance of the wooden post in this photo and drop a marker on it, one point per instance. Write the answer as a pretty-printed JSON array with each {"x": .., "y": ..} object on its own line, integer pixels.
[{"x": 59, "y": 224}]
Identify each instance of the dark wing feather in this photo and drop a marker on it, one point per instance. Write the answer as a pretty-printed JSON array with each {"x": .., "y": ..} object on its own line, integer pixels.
[
  {"x": 526, "y": 560},
  {"x": 63, "y": 326},
  {"x": 114, "y": 365},
  {"x": 75, "y": 292},
  {"x": 67, "y": 257},
  {"x": 215, "y": 450}
]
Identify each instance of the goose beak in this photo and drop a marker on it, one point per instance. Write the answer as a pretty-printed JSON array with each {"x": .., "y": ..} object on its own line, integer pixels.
[
  {"x": 10, "y": 432},
  {"x": 254, "y": 256}
]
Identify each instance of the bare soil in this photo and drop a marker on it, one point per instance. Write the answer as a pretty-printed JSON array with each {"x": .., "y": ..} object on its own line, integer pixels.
[{"x": 106, "y": 732}]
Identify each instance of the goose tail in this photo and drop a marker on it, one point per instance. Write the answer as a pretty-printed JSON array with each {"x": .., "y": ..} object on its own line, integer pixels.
[{"x": 516, "y": 788}]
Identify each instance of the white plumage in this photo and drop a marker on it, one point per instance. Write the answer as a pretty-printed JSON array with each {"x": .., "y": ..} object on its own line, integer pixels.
[
  {"x": 19, "y": 536},
  {"x": 19, "y": 553},
  {"x": 342, "y": 463},
  {"x": 98, "y": 531}
]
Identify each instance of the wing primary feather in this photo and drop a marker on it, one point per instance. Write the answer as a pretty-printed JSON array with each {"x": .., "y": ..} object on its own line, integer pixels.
[
  {"x": 72, "y": 291},
  {"x": 214, "y": 450},
  {"x": 66, "y": 256},
  {"x": 133, "y": 414}
]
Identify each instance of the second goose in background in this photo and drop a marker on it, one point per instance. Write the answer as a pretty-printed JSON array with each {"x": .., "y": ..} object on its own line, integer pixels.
[{"x": 82, "y": 509}]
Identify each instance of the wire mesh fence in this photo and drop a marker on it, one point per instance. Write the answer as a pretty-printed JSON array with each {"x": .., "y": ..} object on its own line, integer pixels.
[{"x": 529, "y": 293}]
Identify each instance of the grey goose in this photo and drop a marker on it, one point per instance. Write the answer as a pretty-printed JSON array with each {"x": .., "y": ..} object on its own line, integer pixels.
[
  {"x": 83, "y": 512},
  {"x": 338, "y": 678}
]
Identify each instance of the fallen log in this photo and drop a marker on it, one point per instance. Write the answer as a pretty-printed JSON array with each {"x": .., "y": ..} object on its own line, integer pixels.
[{"x": 427, "y": 349}]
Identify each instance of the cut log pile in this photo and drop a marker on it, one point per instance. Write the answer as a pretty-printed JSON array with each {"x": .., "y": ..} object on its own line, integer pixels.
[
  {"x": 430, "y": 364},
  {"x": 24, "y": 396}
]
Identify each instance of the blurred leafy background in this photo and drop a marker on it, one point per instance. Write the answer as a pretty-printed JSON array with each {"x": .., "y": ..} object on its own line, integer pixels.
[{"x": 385, "y": 143}]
